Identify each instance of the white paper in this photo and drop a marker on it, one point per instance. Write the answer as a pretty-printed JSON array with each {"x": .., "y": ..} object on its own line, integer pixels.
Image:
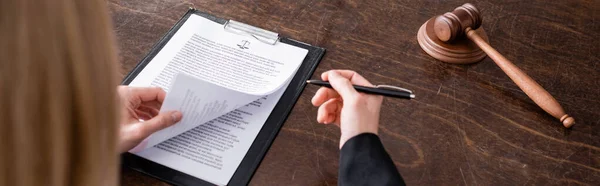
[
  {"x": 199, "y": 101},
  {"x": 204, "y": 50},
  {"x": 214, "y": 150},
  {"x": 236, "y": 83}
]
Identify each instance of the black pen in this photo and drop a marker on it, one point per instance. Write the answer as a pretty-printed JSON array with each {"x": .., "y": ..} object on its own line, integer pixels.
[{"x": 384, "y": 90}]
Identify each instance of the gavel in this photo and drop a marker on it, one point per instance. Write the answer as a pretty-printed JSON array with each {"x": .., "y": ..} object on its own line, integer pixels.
[{"x": 443, "y": 37}]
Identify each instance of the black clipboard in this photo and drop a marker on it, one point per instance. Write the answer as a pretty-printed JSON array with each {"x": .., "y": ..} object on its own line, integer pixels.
[{"x": 267, "y": 134}]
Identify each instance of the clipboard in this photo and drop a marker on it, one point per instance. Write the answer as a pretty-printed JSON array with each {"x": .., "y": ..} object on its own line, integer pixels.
[{"x": 270, "y": 129}]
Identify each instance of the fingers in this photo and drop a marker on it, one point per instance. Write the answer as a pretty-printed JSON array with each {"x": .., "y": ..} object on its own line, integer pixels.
[
  {"x": 152, "y": 104},
  {"x": 329, "y": 111},
  {"x": 145, "y": 94},
  {"x": 161, "y": 121},
  {"x": 150, "y": 110},
  {"x": 143, "y": 115},
  {"x": 324, "y": 94},
  {"x": 352, "y": 76},
  {"x": 342, "y": 85},
  {"x": 146, "y": 113},
  {"x": 132, "y": 134}
]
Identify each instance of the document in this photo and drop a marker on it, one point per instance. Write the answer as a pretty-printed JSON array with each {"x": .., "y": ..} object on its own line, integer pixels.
[
  {"x": 226, "y": 86},
  {"x": 199, "y": 101}
]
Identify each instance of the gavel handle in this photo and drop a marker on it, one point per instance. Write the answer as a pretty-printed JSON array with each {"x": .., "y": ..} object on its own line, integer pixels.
[{"x": 536, "y": 92}]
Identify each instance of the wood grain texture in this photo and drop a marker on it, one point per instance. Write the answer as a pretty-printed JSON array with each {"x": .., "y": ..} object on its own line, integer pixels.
[
  {"x": 537, "y": 93},
  {"x": 470, "y": 124}
]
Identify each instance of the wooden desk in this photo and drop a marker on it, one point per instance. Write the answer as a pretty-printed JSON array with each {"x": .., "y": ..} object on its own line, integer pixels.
[{"x": 470, "y": 124}]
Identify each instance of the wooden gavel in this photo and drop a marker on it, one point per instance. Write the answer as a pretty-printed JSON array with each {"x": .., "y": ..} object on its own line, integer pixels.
[{"x": 465, "y": 20}]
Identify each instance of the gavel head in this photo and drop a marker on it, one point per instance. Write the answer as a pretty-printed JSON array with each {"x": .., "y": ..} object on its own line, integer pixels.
[
  {"x": 442, "y": 36},
  {"x": 453, "y": 24}
]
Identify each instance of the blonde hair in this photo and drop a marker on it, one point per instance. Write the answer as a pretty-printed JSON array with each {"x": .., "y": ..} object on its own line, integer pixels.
[{"x": 58, "y": 105}]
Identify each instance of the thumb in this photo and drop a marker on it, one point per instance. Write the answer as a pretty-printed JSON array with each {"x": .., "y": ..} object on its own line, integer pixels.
[
  {"x": 342, "y": 85},
  {"x": 161, "y": 121}
]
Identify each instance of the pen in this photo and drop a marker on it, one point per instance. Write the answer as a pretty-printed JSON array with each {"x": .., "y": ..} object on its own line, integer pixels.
[{"x": 384, "y": 90}]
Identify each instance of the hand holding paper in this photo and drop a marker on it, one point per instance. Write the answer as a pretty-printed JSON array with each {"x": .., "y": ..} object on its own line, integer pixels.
[
  {"x": 200, "y": 102},
  {"x": 225, "y": 91},
  {"x": 142, "y": 103}
]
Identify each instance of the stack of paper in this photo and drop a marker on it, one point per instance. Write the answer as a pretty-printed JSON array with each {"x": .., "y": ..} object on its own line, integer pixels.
[{"x": 226, "y": 85}]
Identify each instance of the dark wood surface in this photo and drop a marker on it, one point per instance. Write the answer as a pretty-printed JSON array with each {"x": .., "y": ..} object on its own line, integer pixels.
[{"x": 470, "y": 124}]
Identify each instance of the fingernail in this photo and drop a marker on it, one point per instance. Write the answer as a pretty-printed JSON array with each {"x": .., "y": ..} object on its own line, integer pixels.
[{"x": 176, "y": 115}]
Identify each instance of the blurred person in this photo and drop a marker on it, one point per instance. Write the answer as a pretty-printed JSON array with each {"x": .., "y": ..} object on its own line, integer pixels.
[{"x": 59, "y": 106}]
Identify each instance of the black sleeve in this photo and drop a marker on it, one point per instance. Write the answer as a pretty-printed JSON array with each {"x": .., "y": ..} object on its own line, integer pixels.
[{"x": 364, "y": 161}]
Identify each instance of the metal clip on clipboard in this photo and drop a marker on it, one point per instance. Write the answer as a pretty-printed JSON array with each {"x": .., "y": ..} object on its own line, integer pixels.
[{"x": 259, "y": 34}]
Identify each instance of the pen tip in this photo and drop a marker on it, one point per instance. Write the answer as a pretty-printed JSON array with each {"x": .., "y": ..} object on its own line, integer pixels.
[
  {"x": 307, "y": 81},
  {"x": 412, "y": 96}
]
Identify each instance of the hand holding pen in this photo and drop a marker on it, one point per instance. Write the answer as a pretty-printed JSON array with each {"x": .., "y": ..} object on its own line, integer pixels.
[
  {"x": 383, "y": 90},
  {"x": 343, "y": 105}
]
